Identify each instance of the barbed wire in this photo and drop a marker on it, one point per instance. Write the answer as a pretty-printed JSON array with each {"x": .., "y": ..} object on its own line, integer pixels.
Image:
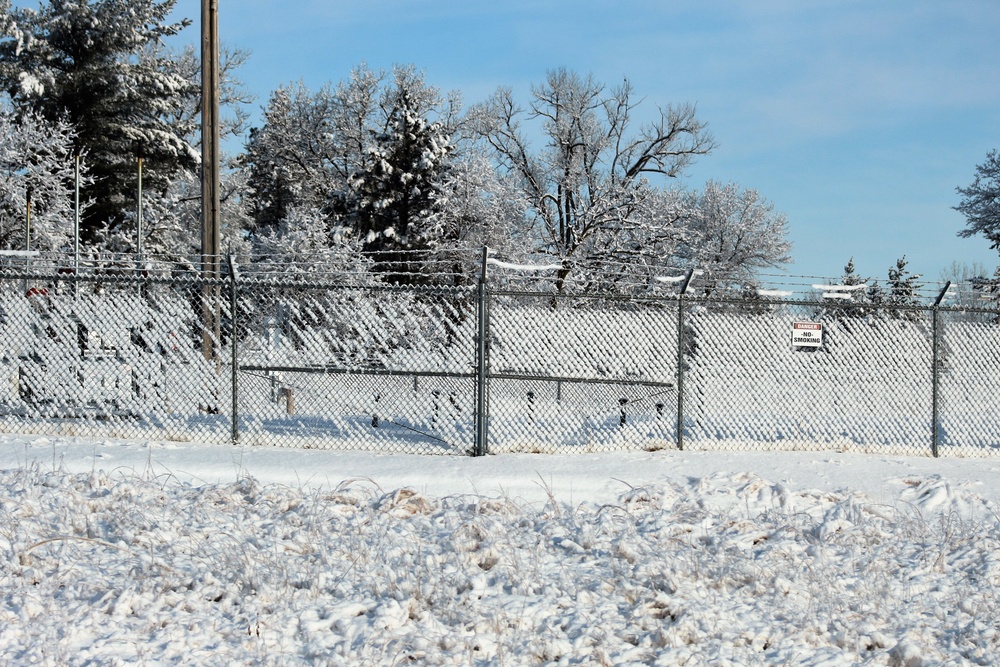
[{"x": 639, "y": 277}]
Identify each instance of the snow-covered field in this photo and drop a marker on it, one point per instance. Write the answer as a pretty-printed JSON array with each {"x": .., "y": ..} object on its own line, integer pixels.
[{"x": 156, "y": 553}]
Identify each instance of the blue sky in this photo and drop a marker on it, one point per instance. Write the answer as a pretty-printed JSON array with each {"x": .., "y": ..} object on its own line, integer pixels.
[{"x": 857, "y": 119}]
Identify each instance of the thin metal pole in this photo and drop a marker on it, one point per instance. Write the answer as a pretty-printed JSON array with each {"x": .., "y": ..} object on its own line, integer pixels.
[
  {"x": 27, "y": 237},
  {"x": 680, "y": 358},
  {"x": 27, "y": 220},
  {"x": 232, "y": 342},
  {"x": 935, "y": 373},
  {"x": 481, "y": 446},
  {"x": 76, "y": 223},
  {"x": 138, "y": 211}
]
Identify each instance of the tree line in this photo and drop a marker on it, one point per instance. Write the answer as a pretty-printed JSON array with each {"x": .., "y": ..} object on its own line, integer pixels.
[{"x": 380, "y": 170}]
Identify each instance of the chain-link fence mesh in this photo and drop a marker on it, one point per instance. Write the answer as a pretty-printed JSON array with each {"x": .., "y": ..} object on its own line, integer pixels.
[
  {"x": 111, "y": 355},
  {"x": 357, "y": 367},
  {"x": 581, "y": 374},
  {"x": 867, "y": 387},
  {"x": 968, "y": 375},
  {"x": 276, "y": 360}
]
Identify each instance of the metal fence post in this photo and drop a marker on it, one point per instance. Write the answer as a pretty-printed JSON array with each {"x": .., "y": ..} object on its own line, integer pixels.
[
  {"x": 232, "y": 343},
  {"x": 138, "y": 207},
  {"x": 481, "y": 446},
  {"x": 935, "y": 372},
  {"x": 76, "y": 220},
  {"x": 680, "y": 358}
]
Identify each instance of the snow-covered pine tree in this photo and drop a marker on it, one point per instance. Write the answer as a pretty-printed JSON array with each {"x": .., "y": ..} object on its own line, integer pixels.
[
  {"x": 397, "y": 202},
  {"x": 92, "y": 63},
  {"x": 851, "y": 277},
  {"x": 903, "y": 289},
  {"x": 857, "y": 301},
  {"x": 981, "y": 202},
  {"x": 312, "y": 144},
  {"x": 309, "y": 145},
  {"x": 290, "y": 157}
]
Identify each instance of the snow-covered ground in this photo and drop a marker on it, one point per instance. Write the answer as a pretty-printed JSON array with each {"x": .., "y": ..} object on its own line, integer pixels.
[{"x": 156, "y": 553}]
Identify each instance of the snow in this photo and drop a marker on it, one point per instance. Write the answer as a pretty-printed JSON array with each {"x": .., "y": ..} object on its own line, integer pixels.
[
  {"x": 523, "y": 267},
  {"x": 776, "y": 293},
  {"x": 159, "y": 552},
  {"x": 19, "y": 253},
  {"x": 841, "y": 288}
]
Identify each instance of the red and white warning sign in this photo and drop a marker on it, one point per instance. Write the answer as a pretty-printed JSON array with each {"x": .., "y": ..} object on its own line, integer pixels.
[{"x": 807, "y": 334}]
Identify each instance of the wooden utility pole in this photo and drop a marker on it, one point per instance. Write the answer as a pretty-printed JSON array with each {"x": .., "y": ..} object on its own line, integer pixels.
[{"x": 210, "y": 202}]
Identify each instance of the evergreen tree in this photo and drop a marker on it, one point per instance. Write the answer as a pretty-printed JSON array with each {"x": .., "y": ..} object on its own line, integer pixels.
[
  {"x": 95, "y": 64},
  {"x": 903, "y": 289},
  {"x": 312, "y": 143},
  {"x": 860, "y": 292},
  {"x": 398, "y": 202},
  {"x": 851, "y": 278},
  {"x": 309, "y": 146},
  {"x": 291, "y": 158}
]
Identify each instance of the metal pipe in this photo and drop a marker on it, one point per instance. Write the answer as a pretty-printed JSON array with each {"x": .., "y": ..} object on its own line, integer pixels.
[
  {"x": 138, "y": 211},
  {"x": 935, "y": 373},
  {"x": 232, "y": 343},
  {"x": 76, "y": 221},
  {"x": 27, "y": 220},
  {"x": 481, "y": 446},
  {"x": 27, "y": 237},
  {"x": 680, "y": 358}
]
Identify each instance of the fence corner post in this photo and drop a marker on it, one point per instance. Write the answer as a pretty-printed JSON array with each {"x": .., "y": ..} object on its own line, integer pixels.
[{"x": 482, "y": 434}]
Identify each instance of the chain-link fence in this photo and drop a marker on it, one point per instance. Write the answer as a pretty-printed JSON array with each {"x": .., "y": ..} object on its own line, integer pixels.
[
  {"x": 113, "y": 355},
  {"x": 578, "y": 373},
  {"x": 357, "y": 367},
  {"x": 281, "y": 361}
]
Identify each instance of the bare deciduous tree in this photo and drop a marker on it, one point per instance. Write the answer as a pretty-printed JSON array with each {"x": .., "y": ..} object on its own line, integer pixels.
[{"x": 591, "y": 179}]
